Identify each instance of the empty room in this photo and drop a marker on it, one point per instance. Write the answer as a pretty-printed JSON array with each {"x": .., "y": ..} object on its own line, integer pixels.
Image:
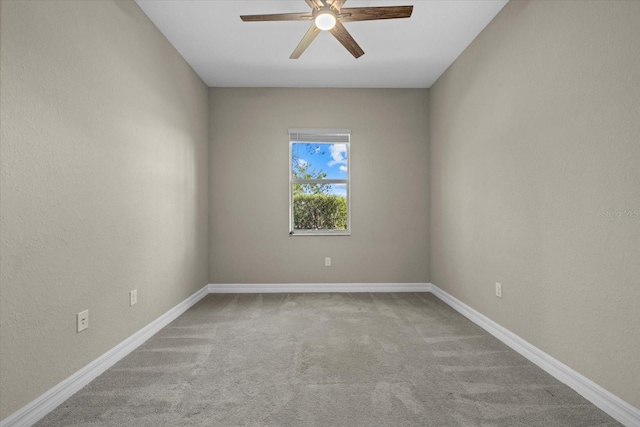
[{"x": 320, "y": 213}]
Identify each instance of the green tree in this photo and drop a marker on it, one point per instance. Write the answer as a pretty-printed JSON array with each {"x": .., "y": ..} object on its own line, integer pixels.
[{"x": 301, "y": 169}]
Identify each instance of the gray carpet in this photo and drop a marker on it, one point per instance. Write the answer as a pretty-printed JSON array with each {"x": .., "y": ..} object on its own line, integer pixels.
[{"x": 325, "y": 360}]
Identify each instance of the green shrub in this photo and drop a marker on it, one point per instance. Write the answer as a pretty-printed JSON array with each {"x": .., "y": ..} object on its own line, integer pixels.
[{"x": 319, "y": 212}]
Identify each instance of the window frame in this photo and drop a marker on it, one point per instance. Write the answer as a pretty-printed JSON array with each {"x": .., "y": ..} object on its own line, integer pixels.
[{"x": 329, "y": 134}]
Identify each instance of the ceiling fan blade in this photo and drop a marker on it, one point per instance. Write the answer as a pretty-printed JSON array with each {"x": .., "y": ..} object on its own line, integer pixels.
[
  {"x": 305, "y": 42},
  {"x": 343, "y": 36},
  {"x": 315, "y": 4},
  {"x": 336, "y": 4},
  {"x": 349, "y": 14},
  {"x": 277, "y": 17}
]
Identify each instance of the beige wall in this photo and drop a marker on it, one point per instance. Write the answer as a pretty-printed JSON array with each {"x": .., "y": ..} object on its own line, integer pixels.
[
  {"x": 103, "y": 185},
  {"x": 249, "y": 186},
  {"x": 534, "y": 136}
]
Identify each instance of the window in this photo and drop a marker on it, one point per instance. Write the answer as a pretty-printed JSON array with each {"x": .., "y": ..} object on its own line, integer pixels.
[{"x": 319, "y": 182}]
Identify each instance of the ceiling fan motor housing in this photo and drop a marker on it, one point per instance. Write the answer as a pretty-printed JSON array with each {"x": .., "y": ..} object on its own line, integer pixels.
[{"x": 325, "y": 18}]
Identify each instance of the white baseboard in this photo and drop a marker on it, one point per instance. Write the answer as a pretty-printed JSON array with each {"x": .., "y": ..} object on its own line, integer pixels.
[
  {"x": 609, "y": 403},
  {"x": 317, "y": 287},
  {"x": 603, "y": 399},
  {"x": 48, "y": 401}
]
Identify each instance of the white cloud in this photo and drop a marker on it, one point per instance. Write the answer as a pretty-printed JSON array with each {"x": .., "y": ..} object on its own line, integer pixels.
[
  {"x": 338, "y": 154},
  {"x": 343, "y": 168},
  {"x": 302, "y": 163}
]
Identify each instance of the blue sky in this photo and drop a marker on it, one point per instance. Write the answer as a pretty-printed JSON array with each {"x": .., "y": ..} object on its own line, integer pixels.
[{"x": 330, "y": 158}]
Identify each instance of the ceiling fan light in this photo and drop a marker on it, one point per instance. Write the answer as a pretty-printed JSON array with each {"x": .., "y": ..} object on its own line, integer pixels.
[{"x": 325, "y": 21}]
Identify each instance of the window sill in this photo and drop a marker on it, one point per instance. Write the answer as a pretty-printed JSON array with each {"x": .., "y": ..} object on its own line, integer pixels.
[{"x": 319, "y": 233}]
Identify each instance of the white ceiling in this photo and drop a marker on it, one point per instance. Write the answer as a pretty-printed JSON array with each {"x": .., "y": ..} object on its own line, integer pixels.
[{"x": 399, "y": 53}]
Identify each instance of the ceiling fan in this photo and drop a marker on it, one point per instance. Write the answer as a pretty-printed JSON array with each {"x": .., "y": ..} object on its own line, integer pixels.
[{"x": 328, "y": 15}]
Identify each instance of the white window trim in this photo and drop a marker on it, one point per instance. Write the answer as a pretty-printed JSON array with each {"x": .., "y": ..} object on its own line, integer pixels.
[{"x": 326, "y": 139}]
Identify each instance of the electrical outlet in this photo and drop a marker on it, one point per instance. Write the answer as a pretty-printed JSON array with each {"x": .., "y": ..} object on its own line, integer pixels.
[
  {"x": 327, "y": 261},
  {"x": 82, "y": 320},
  {"x": 133, "y": 297},
  {"x": 499, "y": 290}
]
